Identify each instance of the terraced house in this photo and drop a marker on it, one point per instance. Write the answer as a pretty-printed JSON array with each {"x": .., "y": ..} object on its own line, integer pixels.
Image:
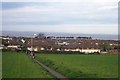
[
  {"x": 67, "y": 44},
  {"x": 84, "y": 46}
]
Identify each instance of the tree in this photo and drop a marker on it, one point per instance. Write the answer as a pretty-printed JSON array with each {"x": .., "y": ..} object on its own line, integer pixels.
[
  {"x": 105, "y": 47},
  {"x": 41, "y": 35},
  {"x": 5, "y": 42}
]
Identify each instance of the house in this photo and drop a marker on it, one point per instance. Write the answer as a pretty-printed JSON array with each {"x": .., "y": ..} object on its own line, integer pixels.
[
  {"x": 89, "y": 47},
  {"x": 1, "y": 46},
  {"x": 38, "y": 44},
  {"x": 73, "y": 45},
  {"x": 5, "y": 37},
  {"x": 14, "y": 44},
  {"x": 62, "y": 43},
  {"x": 83, "y": 47},
  {"x": 90, "y": 50}
]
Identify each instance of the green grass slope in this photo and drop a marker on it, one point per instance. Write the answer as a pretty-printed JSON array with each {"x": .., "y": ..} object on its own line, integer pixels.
[
  {"x": 19, "y": 65},
  {"x": 0, "y": 64},
  {"x": 82, "y": 66}
]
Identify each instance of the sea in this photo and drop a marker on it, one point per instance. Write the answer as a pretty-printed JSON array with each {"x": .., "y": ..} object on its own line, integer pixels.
[{"x": 31, "y": 34}]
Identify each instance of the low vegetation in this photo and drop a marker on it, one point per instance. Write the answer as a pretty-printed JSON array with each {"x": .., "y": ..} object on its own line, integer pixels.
[
  {"x": 19, "y": 65},
  {"x": 82, "y": 66},
  {"x": 0, "y": 64}
]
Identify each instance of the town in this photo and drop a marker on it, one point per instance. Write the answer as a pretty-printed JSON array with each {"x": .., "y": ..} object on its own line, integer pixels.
[
  {"x": 41, "y": 43},
  {"x": 59, "y": 40}
]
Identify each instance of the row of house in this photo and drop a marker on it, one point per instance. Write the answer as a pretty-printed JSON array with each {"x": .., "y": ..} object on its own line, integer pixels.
[
  {"x": 9, "y": 42},
  {"x": 47, "y": 44},
  {"x": 84, "y": 46}
]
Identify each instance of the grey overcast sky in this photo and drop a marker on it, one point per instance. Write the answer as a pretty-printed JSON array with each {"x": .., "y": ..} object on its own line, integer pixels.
[{"x": 71, "y": 16}]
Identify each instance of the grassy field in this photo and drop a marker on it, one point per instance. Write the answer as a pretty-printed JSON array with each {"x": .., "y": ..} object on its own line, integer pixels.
[
  {"x": 19, "y": 65},
  {"x": 0, "y": 64},
  {"x": 82, "y": 66}
]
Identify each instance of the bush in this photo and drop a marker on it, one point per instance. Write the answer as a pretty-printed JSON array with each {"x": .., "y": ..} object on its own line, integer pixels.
[{"x": 5, "y": 50}]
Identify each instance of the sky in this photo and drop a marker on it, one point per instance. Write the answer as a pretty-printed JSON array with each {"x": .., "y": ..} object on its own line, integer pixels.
[{"x": 70, "y": 16}]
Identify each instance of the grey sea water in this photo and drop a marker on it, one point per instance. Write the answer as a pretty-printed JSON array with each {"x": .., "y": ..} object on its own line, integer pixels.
[{"x": 30, "y": 34}]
